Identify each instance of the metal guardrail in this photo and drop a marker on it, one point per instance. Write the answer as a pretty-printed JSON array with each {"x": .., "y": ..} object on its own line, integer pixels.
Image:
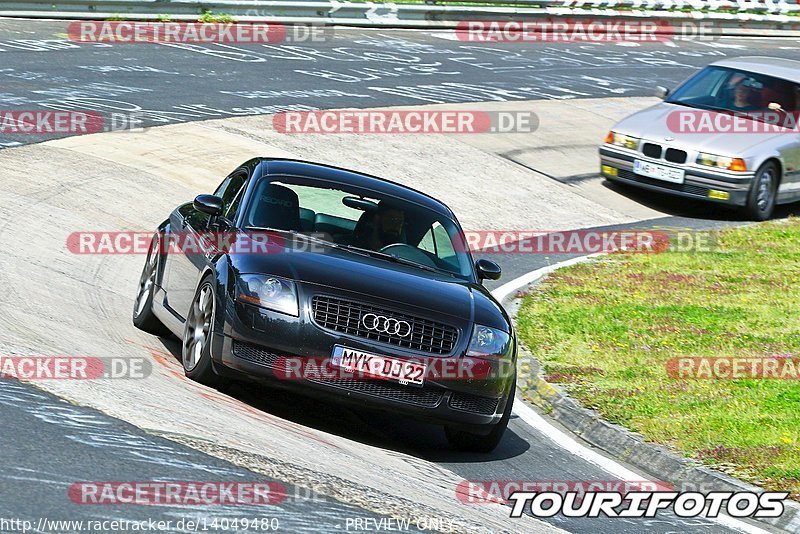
[
  {"x": 730, "y": 17},
  {"x": 758, "y": 6},
  {"x": 257, "y": 7}
]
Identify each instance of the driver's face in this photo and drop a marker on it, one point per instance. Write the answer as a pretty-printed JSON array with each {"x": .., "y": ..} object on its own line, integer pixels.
[
  {"x": 392, "y": 221},
  {"x": 742, "y": 90}
]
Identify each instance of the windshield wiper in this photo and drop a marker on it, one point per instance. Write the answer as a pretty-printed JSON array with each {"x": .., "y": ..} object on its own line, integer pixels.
[
  {"x": 686, "y": 104},
  {"x": 390, "y": 257},
  {"x": 727, "y": 111},
  {"x": 721, "y": 110},
  {"x": 699, "y": 106}
]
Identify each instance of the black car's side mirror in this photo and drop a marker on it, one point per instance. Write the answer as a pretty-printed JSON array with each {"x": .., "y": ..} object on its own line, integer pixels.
[
  {"x": 662, "y": 92},
  {"x": 210, "y": 204},
  {"x": 488, "y": 270}
]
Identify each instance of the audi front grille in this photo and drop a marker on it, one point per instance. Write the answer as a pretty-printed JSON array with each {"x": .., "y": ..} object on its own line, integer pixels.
[{"x": 386, "y": 326}]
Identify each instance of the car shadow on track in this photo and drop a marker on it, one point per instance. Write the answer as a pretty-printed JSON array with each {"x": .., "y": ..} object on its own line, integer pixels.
[
  {"x": 370, "y": 427},
  {"x": 691, "y": 208}
]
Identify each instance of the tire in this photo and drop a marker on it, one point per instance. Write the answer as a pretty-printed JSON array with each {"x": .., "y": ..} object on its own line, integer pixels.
[
  {"x": 761, "y": 198},
  {"x": 143, "y": 317},
  {"x": 197, "y": 336},
  {"x": 463, "y": 440}
]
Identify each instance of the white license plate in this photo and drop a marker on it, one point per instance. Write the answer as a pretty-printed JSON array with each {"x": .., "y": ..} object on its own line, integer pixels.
[
  {"x": 659, "y": 172},
  {"x": 371, "y": 365}
]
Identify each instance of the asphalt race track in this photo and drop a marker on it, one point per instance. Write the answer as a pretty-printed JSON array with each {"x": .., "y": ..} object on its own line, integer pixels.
[
  {"x": 336, "y": 463},
  {"x": 354, "y": 69}
]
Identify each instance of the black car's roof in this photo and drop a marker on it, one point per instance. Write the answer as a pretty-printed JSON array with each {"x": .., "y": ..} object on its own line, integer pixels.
[{"x": 277, "y": 166}]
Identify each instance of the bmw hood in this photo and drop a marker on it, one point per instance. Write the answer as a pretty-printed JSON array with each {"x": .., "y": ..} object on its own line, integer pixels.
[{"x": 662, "y": 122}]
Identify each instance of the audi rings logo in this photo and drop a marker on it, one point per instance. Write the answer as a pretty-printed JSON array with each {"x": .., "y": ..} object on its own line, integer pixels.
[{"x": 386, "y": 325}]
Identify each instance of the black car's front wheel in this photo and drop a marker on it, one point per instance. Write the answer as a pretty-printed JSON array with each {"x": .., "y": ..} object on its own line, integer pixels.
[
  {"x": 196, "y": 353},
  {"x": 465, "y": 440},
  {"x": 761, "y": 199},
  {"x": 143, "y": 317}
]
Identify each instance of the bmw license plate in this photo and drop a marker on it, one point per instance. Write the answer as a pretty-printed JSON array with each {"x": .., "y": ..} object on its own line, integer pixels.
[
  {"x": 659, "y": 172},
  {"x": 371, "y": 365}
]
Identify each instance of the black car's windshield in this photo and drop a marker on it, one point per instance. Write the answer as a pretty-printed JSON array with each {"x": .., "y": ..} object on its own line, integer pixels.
[
  {"x": 360, "y": 221},
  {"x": 730, "y": 90}
]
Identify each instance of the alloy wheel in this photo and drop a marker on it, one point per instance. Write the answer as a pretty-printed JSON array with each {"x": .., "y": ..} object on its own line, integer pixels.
[
  {"x": 199, "y": 328},
  {"x": 148, "y": 278}
]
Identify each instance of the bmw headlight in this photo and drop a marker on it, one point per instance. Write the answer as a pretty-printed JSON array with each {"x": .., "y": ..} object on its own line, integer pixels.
[
  {"x": 721, "y": 162},
  {"x": 487, "y": 341},
  {"x": 625, "y": 141},
  {"x": 270, "y": 292}
]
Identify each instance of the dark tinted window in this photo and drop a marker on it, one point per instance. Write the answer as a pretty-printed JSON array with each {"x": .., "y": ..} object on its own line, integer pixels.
[
  {"x": 365, "y": 219},
  {"x": 229, "y": 190}
]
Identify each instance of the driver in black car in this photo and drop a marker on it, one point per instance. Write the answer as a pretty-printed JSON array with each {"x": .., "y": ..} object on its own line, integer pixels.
[{"x": 385, "y": 228}]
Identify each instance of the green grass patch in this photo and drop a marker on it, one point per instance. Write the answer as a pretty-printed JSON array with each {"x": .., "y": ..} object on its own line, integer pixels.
[
  {"x": 605, "y": 330},
  {"x": 209, "y": 17}
]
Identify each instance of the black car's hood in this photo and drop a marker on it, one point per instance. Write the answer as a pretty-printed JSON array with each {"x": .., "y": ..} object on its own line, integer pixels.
[{"x": 405, "y": 287}]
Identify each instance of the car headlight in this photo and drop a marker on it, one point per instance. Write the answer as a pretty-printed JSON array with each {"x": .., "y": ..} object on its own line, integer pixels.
[
  {"x": 487, "y": 341},
  {"x": 269, "y": 292},
  {"x": 625, "y": 141},
  {"x": 721, "y": 162}
]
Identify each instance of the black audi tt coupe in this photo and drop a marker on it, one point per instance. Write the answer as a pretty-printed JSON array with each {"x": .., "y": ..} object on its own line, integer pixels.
[{"x": 338, "y": 284}]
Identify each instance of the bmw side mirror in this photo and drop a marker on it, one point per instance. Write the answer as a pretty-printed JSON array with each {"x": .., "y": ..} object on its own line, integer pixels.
[
  {"x": 488, "y": 270},
  {"x": 662, "y": 92},
  {"x": 210, "y": 204}
]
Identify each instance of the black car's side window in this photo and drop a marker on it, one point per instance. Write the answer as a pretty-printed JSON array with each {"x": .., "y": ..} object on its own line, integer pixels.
[
  {"x": 230, "y": 191},
  {"x": 230, "y": 210}
]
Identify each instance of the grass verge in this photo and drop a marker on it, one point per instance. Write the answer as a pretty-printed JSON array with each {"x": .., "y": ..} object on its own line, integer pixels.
[{"x": 606, "y": 331}]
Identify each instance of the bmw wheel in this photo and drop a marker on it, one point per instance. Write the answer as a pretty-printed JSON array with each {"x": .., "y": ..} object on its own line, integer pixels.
[
  {"x": 197, "y": 334},
  {"x": 143, "y": 317},
  {"x": 761, "y": 199}
]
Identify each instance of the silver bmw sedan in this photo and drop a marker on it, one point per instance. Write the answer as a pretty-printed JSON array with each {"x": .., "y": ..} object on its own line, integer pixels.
[{"x": 729, "y": 134}]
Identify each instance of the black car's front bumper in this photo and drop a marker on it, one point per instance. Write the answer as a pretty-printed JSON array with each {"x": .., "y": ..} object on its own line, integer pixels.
[
  {"x": 702, "y": 185},
  {"x": 255, "y": 339}
]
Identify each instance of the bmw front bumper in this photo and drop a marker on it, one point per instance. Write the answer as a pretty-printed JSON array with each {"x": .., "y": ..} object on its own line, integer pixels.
[{"x": 723, "y": 188}]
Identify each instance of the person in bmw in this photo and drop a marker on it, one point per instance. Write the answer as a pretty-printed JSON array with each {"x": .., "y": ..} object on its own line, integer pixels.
[
  {"x": 727, "y": 135},
  {"x": 403, "y": 315},
  {"x": 745, "y": 92}
]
